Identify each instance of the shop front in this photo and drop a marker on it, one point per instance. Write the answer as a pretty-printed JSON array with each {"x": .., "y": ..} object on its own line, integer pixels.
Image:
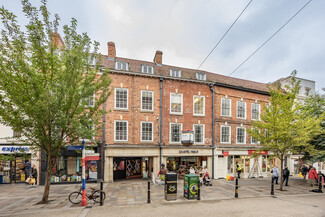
[
  {"x": 253, "y": 165},
  {"x": 14, "y": 163},
  {"x": 130, "y": 162},
  {"x": 69, "y": 168},
  {"x": 180, "y": 159}
]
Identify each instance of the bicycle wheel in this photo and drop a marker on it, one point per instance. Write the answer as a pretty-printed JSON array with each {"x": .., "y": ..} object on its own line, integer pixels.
[
  {"x": 75, "y": 197},
  {"x": 96, "y": 195}
]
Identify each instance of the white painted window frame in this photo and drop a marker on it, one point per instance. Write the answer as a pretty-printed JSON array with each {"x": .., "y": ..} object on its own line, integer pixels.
[
  {"x": 141, "y": 131},
  {"x": 170, "y": 133},
  {"x": 259, "y": 111},
  {"x": 119, "y": 88},
  {"x": 122, "y": 62},
  {"x": 203, "y": 105},
  {"x": 170, "y": 104},
  {"x": 244, "y": 135},
  {"x": 245, "y": 109},
  {"x": 229, "y": 134},
  {"x": 229, "y": 107},
  {"x": 127, "y": 131},
  {"x": 203, "y": 139},
  {"x": 176, "y": 72},
  {"x": 147, "y": 66},
  {"x": 152, "y": 100}
]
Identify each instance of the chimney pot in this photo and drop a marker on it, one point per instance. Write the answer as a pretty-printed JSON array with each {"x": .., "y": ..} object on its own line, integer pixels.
[
  {"x": 158, "y": 57},
  {"x": 111, "y": 49}
]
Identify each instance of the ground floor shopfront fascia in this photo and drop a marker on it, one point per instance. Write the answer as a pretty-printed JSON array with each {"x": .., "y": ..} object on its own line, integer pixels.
[
  {"x": 16, "y": 167},
  {"x": 197, "y": 156},
  {"x": 119, "y": 159},
  {"x": 297, "y": 164},
  {"x": 226, "y": 158},
  {"x": 122, "y": 160}
]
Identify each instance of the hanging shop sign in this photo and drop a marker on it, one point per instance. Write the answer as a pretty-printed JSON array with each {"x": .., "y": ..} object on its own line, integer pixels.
[
  {"x": 187, "y": 137},
  {"x": 225, "y": 153},
  {"x": 182, "y": 151},
  {"x": 91, "y": 156},
  {"x": 14, "y": 149}
]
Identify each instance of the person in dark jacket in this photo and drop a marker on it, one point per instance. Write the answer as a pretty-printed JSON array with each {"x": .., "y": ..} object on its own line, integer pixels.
[
  {"x": 286, "y": 173},
  {"x": 34, "y": 175}
]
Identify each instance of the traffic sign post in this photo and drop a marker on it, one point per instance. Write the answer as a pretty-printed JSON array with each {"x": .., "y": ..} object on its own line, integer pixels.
[{"x": 83, "y": 200}]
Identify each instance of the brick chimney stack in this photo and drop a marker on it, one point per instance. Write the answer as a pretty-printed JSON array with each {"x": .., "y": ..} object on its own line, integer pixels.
[
  {"x": 158, "y": 57},
  {"x": 111, "y": 49},
  {"x": 57, "y": 41}
]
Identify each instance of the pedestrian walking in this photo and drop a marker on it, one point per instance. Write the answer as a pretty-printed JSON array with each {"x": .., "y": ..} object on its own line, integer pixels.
[
  {"x": 162, "y": 172},
  {"x": 192, "y": 170},
  {"x": 286, "y": 173},
  {"x": 275, "y": 174},
  {"x": 239, "y": 169},
  {"x": 33, "y": 176},
  {"x": 304, "y": 171},
  {"x": 312, "y": 176}
]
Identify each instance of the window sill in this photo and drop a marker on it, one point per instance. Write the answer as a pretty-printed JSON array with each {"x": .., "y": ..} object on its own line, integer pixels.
[
  {"x": 225, "y": 116},
  {"x": 225, "y": 143},
  {"x": 122, "y": 110},
  {"x": 241, "y": 118},
  {"x": 175, "y": 143},
  {"x": 146, "y": 111},
  {"x": 120, "y": 141},
  {"x": 146, "y": 142},
  {"x": 194, "y": 115},
  {"x": 176, "y": 114}
]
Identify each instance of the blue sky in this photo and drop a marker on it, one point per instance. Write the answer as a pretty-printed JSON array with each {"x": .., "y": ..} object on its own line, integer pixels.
[{"x": 187, "y": 30}]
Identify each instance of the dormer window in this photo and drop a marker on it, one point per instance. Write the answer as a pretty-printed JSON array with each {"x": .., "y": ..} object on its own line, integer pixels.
[
  {"x": 122, "y": 65},
  {"x": 175, "y": 73},
  {"x": 147, "y": 69},
  {"x": 201, "y": 76}
]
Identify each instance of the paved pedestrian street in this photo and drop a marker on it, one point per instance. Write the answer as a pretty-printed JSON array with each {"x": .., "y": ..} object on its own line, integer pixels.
[{"x": 19, "y": 200}]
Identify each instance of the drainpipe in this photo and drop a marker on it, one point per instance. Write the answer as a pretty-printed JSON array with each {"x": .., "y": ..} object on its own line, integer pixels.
[
  {"x": 160, "y": 121},
  {"x": 213, "y": 151},
  {"x": 104, "y": 140}
]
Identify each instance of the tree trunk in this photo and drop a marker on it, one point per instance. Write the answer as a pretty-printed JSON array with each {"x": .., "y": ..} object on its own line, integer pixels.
[
  {"x": 48, "y": 180},
  {"x": 281, "y": 173}
]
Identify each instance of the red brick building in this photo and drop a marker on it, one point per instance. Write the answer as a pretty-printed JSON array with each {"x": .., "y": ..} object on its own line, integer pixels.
[{"x": 152, "y": 103}]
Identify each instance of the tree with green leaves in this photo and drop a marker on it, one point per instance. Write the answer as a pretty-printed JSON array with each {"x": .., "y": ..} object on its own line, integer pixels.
[
  {"x": 284, "y": 125},
  {"x": 50, "y": 89},
  {"x": 315, "y": 106}
]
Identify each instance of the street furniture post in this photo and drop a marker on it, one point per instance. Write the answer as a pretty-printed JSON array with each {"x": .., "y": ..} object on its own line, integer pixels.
[
  {"x": 101, "y": 194},
  {"x": 83, "y": 200},
  {"x": 236, "y": 189},
  {"x": 272, "y": 186},
  {"x": 148, "y": 192}
]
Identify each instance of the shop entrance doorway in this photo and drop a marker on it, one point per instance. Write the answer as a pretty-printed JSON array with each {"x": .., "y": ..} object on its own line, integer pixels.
[
  {"x": 15, "y": 170},
  {"x": 131, "y": 167}
]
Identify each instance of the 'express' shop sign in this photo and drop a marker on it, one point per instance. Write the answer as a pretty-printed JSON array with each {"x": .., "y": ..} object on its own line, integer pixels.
[{"x": 14, "y": 149}]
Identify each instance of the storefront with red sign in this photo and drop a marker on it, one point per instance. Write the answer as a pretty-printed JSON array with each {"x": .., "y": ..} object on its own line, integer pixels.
[{"x": 254, "y": 163}]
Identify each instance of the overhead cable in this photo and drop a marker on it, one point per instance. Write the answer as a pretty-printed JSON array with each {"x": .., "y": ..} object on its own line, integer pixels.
[
  {"x": 269, "y": 38},
  {"x": 225, "y": 34}
]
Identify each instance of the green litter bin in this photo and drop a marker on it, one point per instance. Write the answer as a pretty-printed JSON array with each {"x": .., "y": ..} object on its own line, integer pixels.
[{"x": 191, "y": 186}]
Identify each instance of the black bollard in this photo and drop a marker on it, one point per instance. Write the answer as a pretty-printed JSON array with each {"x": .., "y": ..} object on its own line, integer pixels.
[
  {"x": 320, "y": 184},
  {"x": 148, "y": 191},
  {"x": 236, "y": 189},
  {"x": 272, "y": 186},
  {"x": 198, "y": 192},
  {"x": 101, "y": 195}
]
